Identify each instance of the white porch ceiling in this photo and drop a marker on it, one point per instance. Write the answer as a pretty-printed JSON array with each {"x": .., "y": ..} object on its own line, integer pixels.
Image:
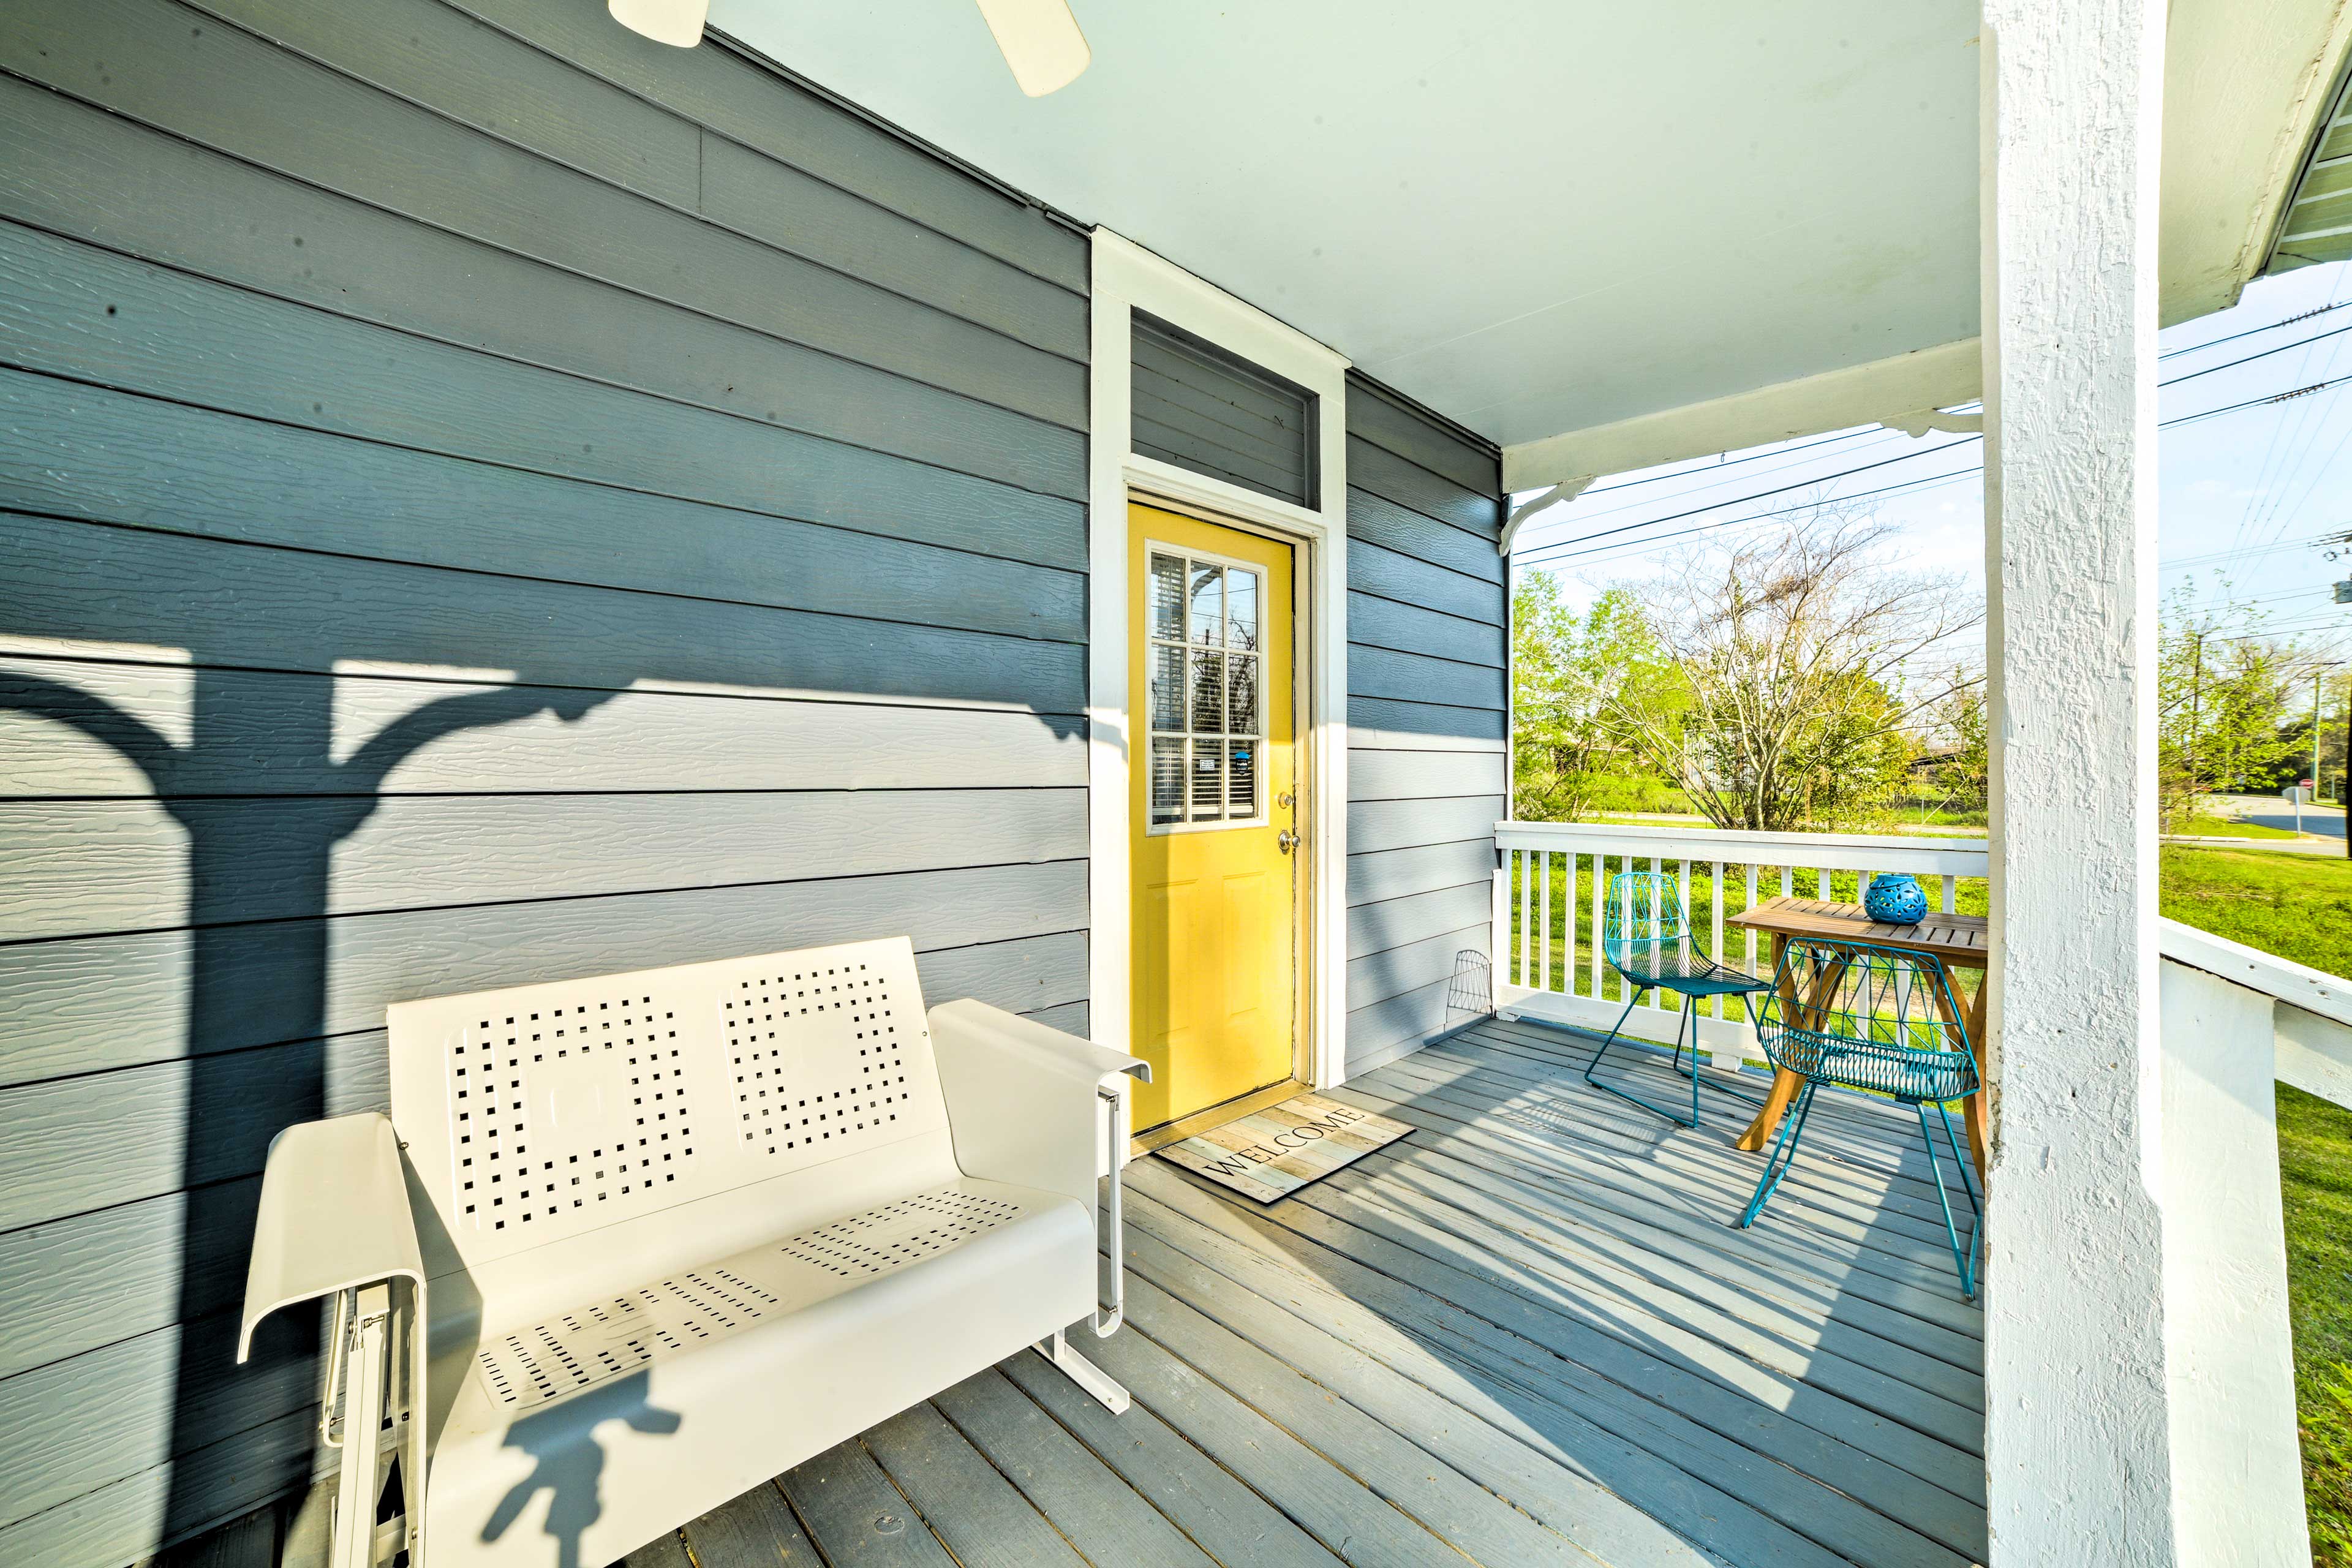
[{"x": 1539, "y": 216}]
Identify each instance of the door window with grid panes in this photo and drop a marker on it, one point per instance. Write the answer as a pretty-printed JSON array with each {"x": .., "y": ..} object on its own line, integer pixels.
[{"x": 1207, "y": 725}]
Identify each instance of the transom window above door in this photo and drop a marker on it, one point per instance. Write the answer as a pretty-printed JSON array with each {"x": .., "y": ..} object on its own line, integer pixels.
[{"x": 1207, "y": 725}]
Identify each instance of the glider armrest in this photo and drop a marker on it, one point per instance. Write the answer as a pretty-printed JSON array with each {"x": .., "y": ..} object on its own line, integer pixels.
[
  {"x": 1026, "y": 1103},
  {"x": 1037, "y": 1108},
  {"x": 335, "y": 1216}
]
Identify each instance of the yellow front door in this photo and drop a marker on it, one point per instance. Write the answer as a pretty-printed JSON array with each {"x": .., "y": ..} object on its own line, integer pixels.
[{"x": 1215, "y": 782}]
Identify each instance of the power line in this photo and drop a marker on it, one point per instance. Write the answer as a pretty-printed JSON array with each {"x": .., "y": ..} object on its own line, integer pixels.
[
  {"x": 2187, "y": 562},
  {"x": 1704, "y": 485},
  {"x": 2255, "y": 331},
  {"x": 2314, "y": 627},
  {"x": 2266, "y": 500},
  {"x": 2265, "y": 353},
  {"x": 2258, "y": 495},
  {"x": 1628, "y": 550},
  {"x": 1824, "y": 479},
  {"x": 1778, "y": 490},
  {"x": 1732, "y": 463},
  {"x": 2233, "y": 605},
  {"x": 1540, "y": 553},
  {"x": 1752, "y": 516},
  {"x": 2254, "y": 402}
]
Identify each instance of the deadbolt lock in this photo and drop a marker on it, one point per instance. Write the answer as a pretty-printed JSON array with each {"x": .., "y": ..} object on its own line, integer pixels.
[{"x": 1285, "y": 800}]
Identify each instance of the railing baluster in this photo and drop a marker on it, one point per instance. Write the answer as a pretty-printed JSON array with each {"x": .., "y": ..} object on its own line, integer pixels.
[
  {"x": 1543, "y": 939},
  {"x": 1527, "y": 913},
  {"x": 1750, "y": 905},
  {"x": 1568, "y": 931},
  {"x": 1715, "y": 942},
  {"x": 1657, "y": 997},
  {"x": 1499, "y": 927},
  {"x": 1599, "y": 902}
]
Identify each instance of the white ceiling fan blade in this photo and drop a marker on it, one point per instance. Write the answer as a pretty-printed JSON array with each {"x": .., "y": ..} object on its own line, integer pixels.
[
  {"x": 678, "y": 22},
  {"x": 1040, "y": 39}
]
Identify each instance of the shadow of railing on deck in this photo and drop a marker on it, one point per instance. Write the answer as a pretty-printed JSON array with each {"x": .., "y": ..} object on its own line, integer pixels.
[{"x": 1570, "y": 1274}]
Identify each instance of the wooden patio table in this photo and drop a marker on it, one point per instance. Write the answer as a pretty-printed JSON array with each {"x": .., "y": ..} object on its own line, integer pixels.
[{"x": 1961, "y": 941}]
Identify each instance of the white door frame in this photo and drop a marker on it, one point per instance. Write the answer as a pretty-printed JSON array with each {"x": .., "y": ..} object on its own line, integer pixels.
[{"x": 1127, "y": 277}]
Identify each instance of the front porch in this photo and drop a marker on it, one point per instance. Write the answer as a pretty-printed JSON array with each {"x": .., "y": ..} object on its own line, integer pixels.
[
  {"x": 1527, "y": 1334},
  {"x": 494, "y": 500}
]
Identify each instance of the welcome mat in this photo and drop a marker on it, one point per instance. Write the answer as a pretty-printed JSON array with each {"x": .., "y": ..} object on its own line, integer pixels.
[{"x": 1273, "y": 1152}]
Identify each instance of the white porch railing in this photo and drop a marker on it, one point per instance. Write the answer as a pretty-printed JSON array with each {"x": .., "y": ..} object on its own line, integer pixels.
[
  {"x": 2232, "y": 1023},
  {"x": 1551, "y": 879}
]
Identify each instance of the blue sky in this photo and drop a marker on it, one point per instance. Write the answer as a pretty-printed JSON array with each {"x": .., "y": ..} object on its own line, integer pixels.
[{"x": 2241, "y": 492}]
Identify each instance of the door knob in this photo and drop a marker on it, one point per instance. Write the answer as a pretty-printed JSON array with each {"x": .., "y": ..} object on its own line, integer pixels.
[{"x": 1285, "y": 839}]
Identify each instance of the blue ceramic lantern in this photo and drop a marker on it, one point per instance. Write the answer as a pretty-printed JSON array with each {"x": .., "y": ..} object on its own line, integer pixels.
[{"x": 1895, "y": 899}]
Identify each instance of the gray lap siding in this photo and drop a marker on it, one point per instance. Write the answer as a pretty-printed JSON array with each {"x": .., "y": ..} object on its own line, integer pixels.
[
  {"x": 487, "y": 498},
  {"x": 1426, "y": 667}
]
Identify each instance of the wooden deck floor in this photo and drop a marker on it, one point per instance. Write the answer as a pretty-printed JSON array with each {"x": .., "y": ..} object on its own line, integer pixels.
[{"x": 1527, "y": 1335}]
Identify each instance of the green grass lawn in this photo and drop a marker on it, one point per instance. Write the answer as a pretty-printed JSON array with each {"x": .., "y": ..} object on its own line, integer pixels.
[
  {"x": 2315, "y": 1179},
  {"x": 2227, "y": 827},
  {"x": 2298, "y": 907}
]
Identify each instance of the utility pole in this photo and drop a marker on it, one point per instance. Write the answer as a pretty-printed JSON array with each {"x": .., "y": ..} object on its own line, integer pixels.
[
  {"x": 2196, "y": 696},
  {"x": 2318, "y": 680}
]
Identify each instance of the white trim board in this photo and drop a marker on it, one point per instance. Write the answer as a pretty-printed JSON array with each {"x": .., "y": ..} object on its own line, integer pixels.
[
  {"x": 1127, "y": 277},
  {"x": 1832, "y": 400}
]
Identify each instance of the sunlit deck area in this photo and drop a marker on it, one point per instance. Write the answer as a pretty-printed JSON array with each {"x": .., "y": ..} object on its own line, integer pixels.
[{"x": 1528, "y": 1333}]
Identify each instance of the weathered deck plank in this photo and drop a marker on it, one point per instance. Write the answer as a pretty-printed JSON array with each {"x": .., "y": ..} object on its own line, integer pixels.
[
  {"x": 1677, "y": 1157},
  {"x": 1419, "y": 1458},
  {"x": 1619, "y": 1386},
  {"x": 983, "y": 1520},
  {"x": 1850, "y": 1136},
  {"x": 1897, "y": 1200},
  {"x": 1856, "y": 1130},
  {"x": 1615, "y": 1187},
  {"x": 855, "y": 1515},
  {"x": 1642, "y": 1264},
  {"x": 1559, "y": 1468},
  {"x": 1210, "y": 1505},
  {"x": 662, "y": 1551},
  {"x": 1063, "y": 1479},
  {"x": 1336, "y": 1505},
  {"x": 1712, "y": 1489},
  {"x": 755, "y": 1531},
  {"x": 1561, "y": 1155}
]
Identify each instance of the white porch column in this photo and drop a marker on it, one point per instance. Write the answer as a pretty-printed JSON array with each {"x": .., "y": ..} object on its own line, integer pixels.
[{"x": 2077, "y": 1452}]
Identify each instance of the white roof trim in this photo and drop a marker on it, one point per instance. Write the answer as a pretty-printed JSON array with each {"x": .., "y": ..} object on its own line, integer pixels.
[{"x": 1835, "y": 400}]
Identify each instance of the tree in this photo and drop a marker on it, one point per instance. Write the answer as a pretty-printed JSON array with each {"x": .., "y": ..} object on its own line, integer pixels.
[
  {"x": 1781, "y": 701},
  {"x": 1565, "y": 750},
  {"x": 1962, "y": 773},
  {"x": 2225, "y": 701},
  {"x": 2335, "y": 719}
]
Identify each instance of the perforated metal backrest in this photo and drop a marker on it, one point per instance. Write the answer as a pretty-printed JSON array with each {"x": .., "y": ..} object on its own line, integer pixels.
[{"x": 543, "y": 1113}]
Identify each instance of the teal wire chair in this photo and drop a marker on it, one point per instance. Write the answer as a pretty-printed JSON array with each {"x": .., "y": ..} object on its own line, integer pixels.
[
  {"x": 1646, "y": 939},
  {"x": 1853, "y": 1014}
]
